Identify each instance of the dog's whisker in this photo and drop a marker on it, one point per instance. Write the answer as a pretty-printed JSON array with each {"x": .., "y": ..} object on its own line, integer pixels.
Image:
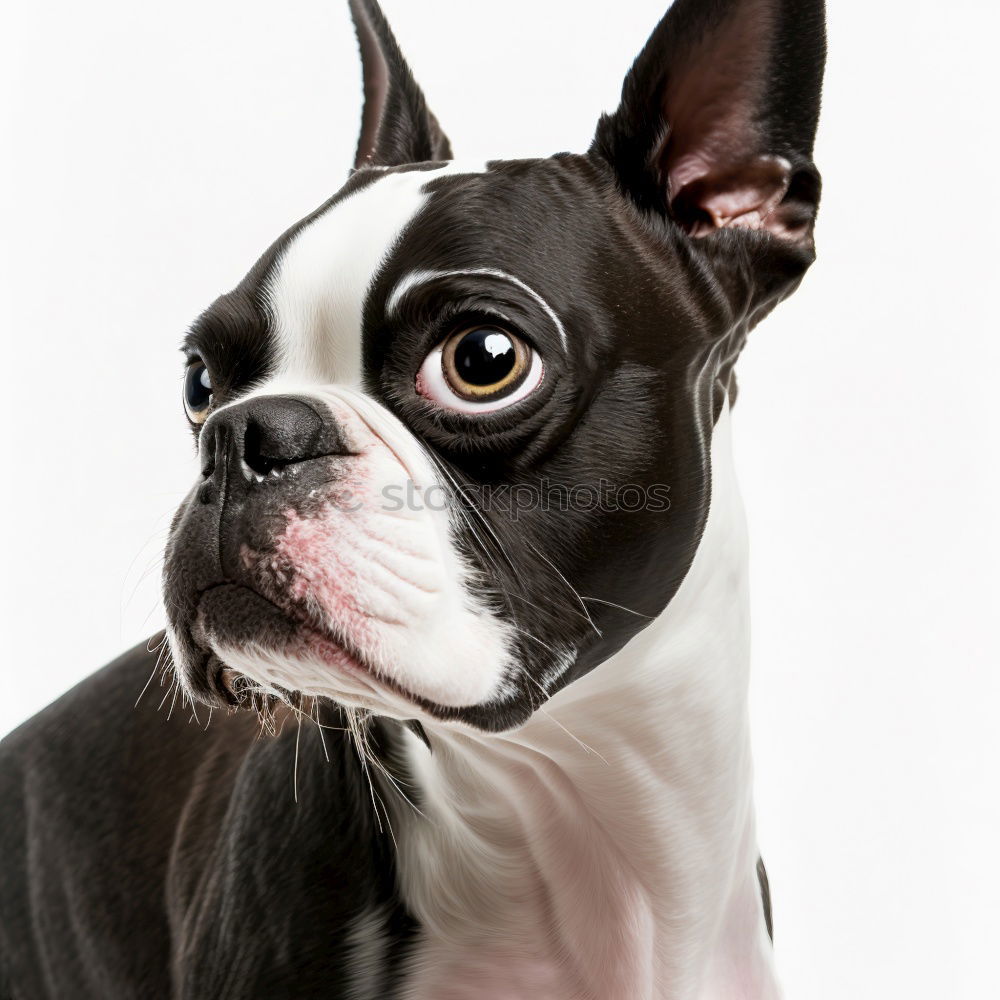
[
  {"x": 173, "y": 681},
  {"x": 466, "y": 510},
  {"x": 371, "y": 756},
  {"x": 157, "y": 534},
  {"x": 145, "y": 686},
  {"x": 361, "y": 749},
  {"x": 548, "y": 715},
  {"x": 319, "y": 728},
  {"x": 620, "y": 607},
  {"x": 164, "y": 652},
  {"x": 534, "y": 638},
  {"x": 382, "y": 769},
  {"x": 175, "y": 687},
  {"x": 576, "y": 739},
  {"x": 159, "y": 645},
  {"x": 295, "y": 768},
  {"x": 149, "y": 614},
  {"x": 569, "y": 586}
]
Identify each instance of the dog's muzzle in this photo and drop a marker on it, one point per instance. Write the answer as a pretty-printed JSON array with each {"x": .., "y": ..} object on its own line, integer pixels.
[
  {"x": 260, "y": 460},
  {"x": 306, "y": 559}
]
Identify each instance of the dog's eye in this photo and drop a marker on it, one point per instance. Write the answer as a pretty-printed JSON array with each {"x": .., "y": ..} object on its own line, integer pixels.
[
  {"x": 478, "y": 369},
  {"x": 197, "y": 392}
]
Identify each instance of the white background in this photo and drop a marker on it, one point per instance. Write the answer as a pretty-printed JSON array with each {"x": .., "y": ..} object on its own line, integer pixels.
[{"x": 150, "y": 152}]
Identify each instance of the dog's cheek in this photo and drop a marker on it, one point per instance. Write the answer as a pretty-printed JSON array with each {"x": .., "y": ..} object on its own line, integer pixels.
[
  {"x": 354, "y": 562},
  {"x": 319, "y": 576}
]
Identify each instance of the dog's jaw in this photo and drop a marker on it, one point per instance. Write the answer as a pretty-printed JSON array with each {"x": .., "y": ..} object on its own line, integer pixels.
[{"x": 607, "y": 847}]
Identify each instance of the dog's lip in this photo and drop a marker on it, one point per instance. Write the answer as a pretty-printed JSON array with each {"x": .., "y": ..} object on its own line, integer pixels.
[
  {"x": 225, "y": 681},
  {"x": 349, "y": 659}
]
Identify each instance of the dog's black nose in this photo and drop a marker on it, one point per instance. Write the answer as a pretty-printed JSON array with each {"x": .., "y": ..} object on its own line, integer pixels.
[{"x": 264, "y": 435}]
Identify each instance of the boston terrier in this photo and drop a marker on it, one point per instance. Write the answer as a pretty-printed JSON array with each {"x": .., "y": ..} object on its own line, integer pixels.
[{"x": 452, "y": 699}]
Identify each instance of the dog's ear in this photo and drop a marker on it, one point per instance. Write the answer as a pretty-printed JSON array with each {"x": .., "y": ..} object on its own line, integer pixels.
[
  {"x": 396, "y": 126},
  {"x": 717, "y": 118}
]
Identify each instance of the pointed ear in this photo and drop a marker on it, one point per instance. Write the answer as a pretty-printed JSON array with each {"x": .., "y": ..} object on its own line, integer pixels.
[
  {"x": 396, "y": 126},
  {"x": 718, "y": 114}
]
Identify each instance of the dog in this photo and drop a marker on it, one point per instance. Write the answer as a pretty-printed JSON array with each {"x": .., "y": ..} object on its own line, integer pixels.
[{"x": 452, "y": 698}]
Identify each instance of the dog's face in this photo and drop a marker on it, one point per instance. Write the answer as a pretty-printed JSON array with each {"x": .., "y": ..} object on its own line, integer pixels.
[{"x": 454, "y": 426}]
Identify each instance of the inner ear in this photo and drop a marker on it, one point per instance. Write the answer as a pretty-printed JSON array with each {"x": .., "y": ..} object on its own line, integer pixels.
[
  {"x": 706, "y": 195},
  {"x": 718, "y": 115},
  {"x": 715, "y": 174}
]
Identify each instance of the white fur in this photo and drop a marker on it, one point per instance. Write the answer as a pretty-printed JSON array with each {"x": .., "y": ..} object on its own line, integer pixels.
[{"x": 605, "y": 850}]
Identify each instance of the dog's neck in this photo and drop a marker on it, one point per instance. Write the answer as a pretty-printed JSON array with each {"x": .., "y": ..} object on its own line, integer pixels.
[{"x": 609, "y": 843}]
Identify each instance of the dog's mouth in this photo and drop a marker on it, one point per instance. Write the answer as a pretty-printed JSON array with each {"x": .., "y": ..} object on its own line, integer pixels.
[
  {"x": 242, "y": 629},
  {"x": 235, "y": 621}
]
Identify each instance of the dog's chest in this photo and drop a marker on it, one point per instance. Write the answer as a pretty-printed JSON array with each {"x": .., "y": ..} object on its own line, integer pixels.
[
  {"x": 516, "y": 890},
  {"x": 484, "y": 920},
  {"x": 496, "y": 973}
]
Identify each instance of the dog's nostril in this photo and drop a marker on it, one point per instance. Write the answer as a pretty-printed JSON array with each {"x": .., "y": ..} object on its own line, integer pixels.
[
  {"x": 256, "y": 452},
  {"x": 261, "y": 436},
  {"x": 269, "y": 449},
  {"x": 281, "y": 431}
]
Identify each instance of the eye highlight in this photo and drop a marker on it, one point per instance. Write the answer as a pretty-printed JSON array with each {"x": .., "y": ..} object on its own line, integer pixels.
[
  {"x": 197, "y": 391},
  {"x": 479, "y": 369}
]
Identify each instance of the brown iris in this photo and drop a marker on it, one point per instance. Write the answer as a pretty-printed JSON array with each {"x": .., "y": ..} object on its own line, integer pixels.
[{"x": 484, "y": 362}]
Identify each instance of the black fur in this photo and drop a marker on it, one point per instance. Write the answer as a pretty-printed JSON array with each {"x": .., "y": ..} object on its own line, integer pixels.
[
  {"x": 151, "y": 854},
  {"x": 397, "y": 126}
]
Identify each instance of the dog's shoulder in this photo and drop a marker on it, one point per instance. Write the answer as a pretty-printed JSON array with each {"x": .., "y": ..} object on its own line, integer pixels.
[
  {"x": 93, "y": 784},
  {"x": 150, "y": 828}
]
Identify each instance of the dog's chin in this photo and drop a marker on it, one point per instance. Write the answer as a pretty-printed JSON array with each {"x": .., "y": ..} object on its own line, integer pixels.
[{"x": 254, "y": 647}]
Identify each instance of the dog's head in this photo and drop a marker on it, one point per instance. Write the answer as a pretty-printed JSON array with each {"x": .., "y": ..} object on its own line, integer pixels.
[{"x": 454, "y": 426}]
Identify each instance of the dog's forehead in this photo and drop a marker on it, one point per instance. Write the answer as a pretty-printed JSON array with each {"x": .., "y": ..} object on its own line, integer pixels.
[
  {"x": 476, "y": 216},
  {"x": 317, "y": 287}
]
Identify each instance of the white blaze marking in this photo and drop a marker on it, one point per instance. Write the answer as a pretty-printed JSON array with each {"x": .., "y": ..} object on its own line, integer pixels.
[{"x": 318, "y": 290}]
